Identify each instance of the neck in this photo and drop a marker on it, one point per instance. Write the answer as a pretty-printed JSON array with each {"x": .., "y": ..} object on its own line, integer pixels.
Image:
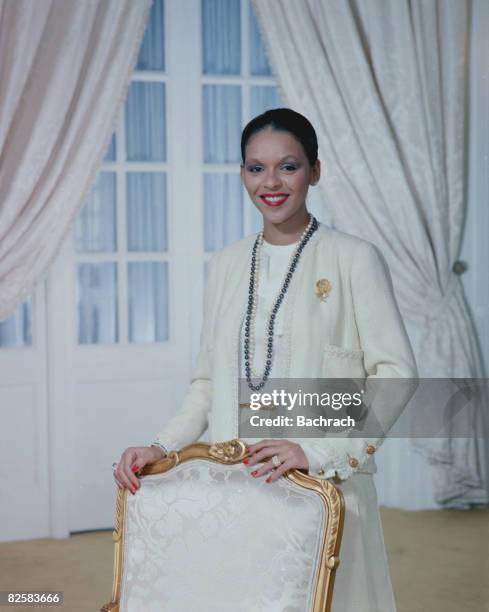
[{"x": 287, "y": 232}]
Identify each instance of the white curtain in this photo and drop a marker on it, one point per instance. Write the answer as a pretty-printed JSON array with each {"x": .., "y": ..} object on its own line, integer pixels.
[
  {"x": 384, "y": 84},
  {"x": 64, "y": 72}
]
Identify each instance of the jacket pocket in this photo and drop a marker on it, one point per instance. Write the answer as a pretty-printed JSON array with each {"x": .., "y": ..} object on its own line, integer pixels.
[{"x": 342, "y": 362}]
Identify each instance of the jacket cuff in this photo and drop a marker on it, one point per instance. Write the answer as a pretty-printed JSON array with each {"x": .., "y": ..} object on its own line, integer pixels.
[
  {"x": 337, "y": 457},
  {"x": 166, "y": 445}
]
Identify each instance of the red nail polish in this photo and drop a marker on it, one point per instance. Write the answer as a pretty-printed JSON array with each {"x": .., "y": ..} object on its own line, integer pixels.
[
  {"x": 246, "y": 461},
  {"x": 254, "y": 473},
  {"x": 269, "y": 479},
  {"x": 135, "y": 468}
]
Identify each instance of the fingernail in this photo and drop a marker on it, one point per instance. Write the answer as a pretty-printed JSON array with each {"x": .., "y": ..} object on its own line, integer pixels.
[
  {"x": 269, "y": 479},
  {"x": 134, "y": 468},
  {"x": 254, "y": 473},
  {"x": 246, "y": 461}
]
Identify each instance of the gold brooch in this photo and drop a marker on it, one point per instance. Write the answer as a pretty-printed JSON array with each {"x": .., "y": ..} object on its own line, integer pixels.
[{"x": 323, "y": 289}]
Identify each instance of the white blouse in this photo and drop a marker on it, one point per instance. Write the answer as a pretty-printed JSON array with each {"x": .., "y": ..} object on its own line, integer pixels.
[{"x": 274, "y": 264}]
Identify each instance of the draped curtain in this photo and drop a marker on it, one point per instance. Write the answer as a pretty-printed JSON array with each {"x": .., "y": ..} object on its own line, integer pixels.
[
  {"x": 144, "y": 200},
  {"x": 384, "y": 83},
  {"x": 64, "y": 71}
]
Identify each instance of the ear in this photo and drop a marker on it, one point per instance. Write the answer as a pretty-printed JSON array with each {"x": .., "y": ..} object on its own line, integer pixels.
[{"x": 315, "y": 173}]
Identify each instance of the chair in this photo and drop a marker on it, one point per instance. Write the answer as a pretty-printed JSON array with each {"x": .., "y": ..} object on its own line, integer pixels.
[{"x": 202, "y": 535}]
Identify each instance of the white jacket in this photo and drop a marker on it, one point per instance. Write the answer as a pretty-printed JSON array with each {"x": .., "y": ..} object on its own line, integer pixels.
[{"x": 357, "y": 332}]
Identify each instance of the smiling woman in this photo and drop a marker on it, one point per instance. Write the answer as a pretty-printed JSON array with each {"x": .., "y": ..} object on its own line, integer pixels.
[
  {"x": 274, "y": 302},
  {"x": 279, "y": 164}
]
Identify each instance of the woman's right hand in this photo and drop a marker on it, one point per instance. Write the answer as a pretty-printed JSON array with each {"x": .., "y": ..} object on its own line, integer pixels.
[{"x": 132, "y": 460}]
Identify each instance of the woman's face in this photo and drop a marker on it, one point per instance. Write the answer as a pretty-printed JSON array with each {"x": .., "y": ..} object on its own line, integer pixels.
[{"x": 277, "y": 175}]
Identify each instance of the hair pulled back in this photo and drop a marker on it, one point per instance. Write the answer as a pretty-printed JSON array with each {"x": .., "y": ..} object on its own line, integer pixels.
[{"x": 284, "y": 120}]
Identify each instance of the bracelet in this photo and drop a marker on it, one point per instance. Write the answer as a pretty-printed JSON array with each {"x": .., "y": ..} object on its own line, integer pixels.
[{"x": 160, "y": 446}]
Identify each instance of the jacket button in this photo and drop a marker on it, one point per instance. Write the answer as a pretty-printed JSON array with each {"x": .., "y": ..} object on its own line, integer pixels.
[
  {"x": 370, "y": 449},
  {"x": 353, "y": 462}
]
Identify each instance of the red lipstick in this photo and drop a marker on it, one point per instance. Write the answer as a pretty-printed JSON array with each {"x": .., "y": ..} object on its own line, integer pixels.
[{"x": 274, "y": 199}]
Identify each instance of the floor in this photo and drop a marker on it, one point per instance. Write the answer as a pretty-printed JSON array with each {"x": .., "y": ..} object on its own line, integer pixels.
[{"x": 439, "y": 563}]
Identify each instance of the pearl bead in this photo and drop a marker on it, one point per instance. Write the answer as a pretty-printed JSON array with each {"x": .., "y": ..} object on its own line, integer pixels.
[{"x": 253, "y": 299}]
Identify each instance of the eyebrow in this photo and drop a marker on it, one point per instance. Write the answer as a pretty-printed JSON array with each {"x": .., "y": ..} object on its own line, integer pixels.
[{"x": 253, "y": 159}]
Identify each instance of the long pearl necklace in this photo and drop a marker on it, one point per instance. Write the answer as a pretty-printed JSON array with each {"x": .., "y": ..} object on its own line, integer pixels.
[{"x": 249, "y": 335}]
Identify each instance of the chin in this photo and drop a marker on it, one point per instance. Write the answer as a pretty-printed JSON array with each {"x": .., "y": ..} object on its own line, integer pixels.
[{"x": 276, "y": 216}]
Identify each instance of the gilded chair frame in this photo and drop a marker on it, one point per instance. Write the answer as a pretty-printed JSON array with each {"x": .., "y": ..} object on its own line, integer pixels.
[{"x": 231, "y": 452}]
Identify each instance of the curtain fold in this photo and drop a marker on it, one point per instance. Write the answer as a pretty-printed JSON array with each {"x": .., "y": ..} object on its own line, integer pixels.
[
  {"x": 385, "y": 85},
  {"x": 64, "y": 72}
]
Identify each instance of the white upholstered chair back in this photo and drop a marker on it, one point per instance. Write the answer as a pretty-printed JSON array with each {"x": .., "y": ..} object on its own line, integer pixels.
[{"x": 202, "y": 535}]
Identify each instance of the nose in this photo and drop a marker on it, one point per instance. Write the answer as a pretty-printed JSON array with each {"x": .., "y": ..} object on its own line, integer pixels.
[{"x": 272, "y": 180}]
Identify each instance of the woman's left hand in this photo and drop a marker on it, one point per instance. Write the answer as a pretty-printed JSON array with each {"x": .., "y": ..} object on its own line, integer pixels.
[{"x": 289, "y": 454}]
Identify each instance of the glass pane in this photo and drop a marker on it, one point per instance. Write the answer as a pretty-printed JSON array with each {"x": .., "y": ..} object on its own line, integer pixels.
[
  {"x": 110, "y": 154},
  {"x": 222, "y": 123},
  {"x": 223, "y": 210},
  {"x": 146, "y": 211},
  {"x": 96, "y": 225},
  {"x": 145, "y": 122},
  {"x": 148, "y": 301},
  {"x": 97, "y": 303},
  {"x": 221, "y": 37},
  {"x": 16, "y": 331},
  {"x": 152, "y": 51},
  {"x": 258, "y": 60},
  {"x": 264, "y": 98}
]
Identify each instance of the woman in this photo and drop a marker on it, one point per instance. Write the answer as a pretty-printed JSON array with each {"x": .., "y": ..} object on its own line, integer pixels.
[{"x": 298, "y": 300}]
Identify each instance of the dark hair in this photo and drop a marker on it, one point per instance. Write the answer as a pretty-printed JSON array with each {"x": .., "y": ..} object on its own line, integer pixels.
[{"x": 285, "y": 120}]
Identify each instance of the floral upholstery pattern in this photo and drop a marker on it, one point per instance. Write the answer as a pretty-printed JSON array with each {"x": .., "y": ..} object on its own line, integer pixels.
[{"x": 206, "y": 536}]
